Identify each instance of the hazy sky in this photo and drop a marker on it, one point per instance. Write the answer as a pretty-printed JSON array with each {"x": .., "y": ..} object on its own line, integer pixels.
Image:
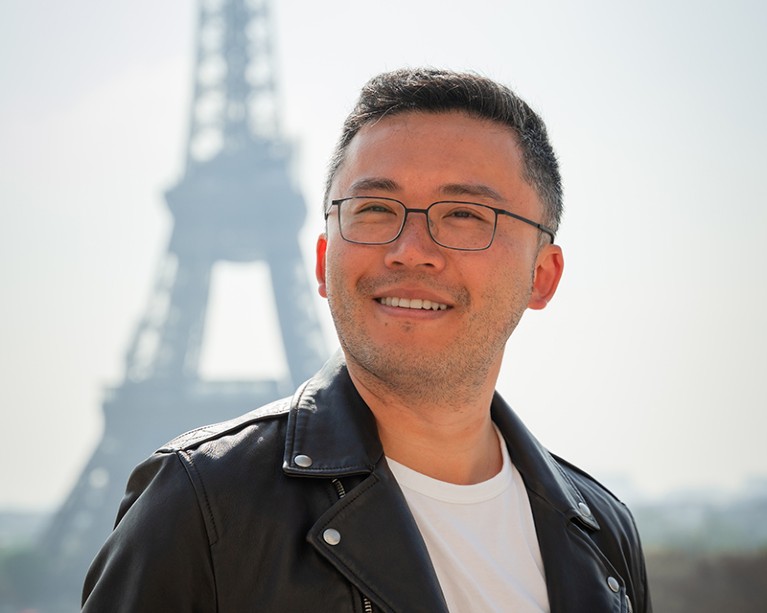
[{"x": 649, "y": 363}]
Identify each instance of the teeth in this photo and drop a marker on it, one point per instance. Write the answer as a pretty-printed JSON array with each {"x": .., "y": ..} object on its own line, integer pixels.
[{"x": 414, "y": 303}]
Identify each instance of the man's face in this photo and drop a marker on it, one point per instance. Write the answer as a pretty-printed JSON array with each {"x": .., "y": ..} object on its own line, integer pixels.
[{"x": 420, "y": 158}]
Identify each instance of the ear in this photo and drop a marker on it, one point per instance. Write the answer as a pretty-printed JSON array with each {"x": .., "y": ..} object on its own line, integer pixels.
[
  {"x": 548, "y": 271},
  {"x": 322, "y": 247}
]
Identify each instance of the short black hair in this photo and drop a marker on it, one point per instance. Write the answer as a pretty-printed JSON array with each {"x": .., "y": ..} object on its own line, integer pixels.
[{"x": 432, "y": 90}]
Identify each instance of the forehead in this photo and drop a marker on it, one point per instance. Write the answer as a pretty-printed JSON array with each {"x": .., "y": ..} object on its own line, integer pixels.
[{"x": 424, "y": 151}]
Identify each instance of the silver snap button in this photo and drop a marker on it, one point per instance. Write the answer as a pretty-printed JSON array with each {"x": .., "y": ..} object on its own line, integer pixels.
[
  {"x": 584, "y": 509},
  {"x": 331, "y": 536},
  {"x": 304, "y": 461},
  {"x": 613, "y": 584}
]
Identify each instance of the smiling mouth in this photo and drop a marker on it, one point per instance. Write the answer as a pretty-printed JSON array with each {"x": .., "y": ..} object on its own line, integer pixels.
[{"x": 412, "y": 303}]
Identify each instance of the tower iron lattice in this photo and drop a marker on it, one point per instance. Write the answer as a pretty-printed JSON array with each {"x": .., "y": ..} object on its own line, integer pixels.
[{"x": 235, "y": 202}]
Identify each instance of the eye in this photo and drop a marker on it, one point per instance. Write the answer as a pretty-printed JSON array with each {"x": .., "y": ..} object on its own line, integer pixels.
[
  {"x": 462, "y": 214},
  {"x": 459, "y": 212},
  {"x": 366, "y": 206}
]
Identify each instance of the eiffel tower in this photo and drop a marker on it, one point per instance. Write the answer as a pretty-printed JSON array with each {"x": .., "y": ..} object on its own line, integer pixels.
[{"x": 235, "y": 203}]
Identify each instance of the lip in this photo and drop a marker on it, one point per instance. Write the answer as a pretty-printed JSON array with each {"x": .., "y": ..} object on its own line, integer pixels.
[
  {"x": 410, "y": 294},
  {"x": 416, "y": 304}
]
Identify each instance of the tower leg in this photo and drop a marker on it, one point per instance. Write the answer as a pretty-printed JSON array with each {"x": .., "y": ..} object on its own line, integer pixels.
[{"x": 304, "y": 346}]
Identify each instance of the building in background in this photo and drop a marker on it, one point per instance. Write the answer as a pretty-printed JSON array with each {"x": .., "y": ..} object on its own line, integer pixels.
[{"x": 236, "y": 203}]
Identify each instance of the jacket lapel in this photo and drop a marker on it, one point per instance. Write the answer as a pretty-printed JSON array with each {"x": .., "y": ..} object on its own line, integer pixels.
[
  {"x": 576, "y": 571},
  {"x": 374, "y": 540},
  {"x": 377, "y": 546}
]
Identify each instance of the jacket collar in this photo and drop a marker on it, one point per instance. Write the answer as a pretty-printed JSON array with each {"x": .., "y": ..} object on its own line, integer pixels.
[
  {"x": 331, "y": 425},
  {"x": 331, "y": 433},
  {"x": 542, "y": 473}
]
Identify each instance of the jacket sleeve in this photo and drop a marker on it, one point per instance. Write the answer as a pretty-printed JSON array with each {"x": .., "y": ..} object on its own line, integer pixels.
[
  {"x": 157, "y": 559},
  {"x": 622, "y": 545},
  {"x": 639, "y": 575}
]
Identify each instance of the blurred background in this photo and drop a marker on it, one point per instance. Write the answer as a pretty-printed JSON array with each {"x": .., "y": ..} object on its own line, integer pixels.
[{"x": 647, "y": 369}]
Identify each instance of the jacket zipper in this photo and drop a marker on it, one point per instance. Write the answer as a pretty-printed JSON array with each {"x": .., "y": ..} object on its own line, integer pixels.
[
  {"x": 630, "y": 607},
  {"x": 366, "y": 604}
]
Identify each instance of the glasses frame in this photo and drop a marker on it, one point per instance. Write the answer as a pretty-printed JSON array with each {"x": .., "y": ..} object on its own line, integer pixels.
[{"x": 339, "y": 201}]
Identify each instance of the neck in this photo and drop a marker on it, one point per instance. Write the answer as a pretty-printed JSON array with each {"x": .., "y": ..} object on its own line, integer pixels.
[{"x": 446, "y": 433}]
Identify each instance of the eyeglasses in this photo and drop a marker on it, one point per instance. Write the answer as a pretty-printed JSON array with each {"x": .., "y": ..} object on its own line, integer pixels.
[{"x": 465, "y": 226}]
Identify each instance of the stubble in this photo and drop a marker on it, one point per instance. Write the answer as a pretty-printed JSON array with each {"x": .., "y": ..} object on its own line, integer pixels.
[{"x": 450, "y": 375}]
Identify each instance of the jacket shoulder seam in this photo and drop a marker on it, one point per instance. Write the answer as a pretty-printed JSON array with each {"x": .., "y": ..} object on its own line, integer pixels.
[
  {"x": 206, "y": 433},
  {"x": 562, "y": 464},
  {"x": 203, "y": 501}
]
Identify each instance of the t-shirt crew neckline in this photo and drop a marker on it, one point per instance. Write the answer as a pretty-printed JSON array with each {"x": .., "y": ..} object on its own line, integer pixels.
[{"x": 453, "y": 492}]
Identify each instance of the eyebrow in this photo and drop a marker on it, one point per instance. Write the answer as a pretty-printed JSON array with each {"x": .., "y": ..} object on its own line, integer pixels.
[
  {"x": 471, "y": 189},
  {"x": 450, "y": 189},
  {"x": 375, "y": 184}
]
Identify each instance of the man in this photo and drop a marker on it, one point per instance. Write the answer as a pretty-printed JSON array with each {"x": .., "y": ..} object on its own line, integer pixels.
[{"x": 396, "y": 479}]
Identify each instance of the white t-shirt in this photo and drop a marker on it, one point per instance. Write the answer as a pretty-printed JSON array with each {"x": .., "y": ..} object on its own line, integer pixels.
[{"x": 481, "y": 539}]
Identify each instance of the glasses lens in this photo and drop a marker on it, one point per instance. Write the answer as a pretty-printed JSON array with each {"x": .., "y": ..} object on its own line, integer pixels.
[
  {"x": 462, "y": 225},
  {"x": 370, "y": 220}
]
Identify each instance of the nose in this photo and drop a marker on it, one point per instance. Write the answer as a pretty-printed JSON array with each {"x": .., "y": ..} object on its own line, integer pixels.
[{"x": 414, "y": 247}]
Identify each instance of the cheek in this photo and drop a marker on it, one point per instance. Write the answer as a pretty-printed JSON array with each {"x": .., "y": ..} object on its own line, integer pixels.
[
  {"x": 337, "y": 270},
  {"x": 510, "y": 284}
]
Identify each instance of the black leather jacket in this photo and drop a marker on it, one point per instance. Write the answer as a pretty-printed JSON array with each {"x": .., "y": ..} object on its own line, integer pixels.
[{"x": 292, "y": 508}]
